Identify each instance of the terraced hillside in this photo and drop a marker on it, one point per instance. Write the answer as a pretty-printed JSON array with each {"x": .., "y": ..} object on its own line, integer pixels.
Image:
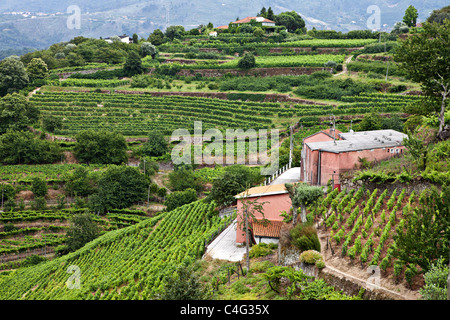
[{"x": 130, "y": 263}]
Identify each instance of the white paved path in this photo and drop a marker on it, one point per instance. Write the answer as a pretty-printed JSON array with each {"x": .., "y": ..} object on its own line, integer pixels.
[
  {"x": 290, "y": 176},
  {"x": 224, "y": 246}
]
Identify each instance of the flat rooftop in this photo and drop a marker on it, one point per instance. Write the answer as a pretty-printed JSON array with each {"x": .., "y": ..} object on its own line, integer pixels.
[{"x": 364, "y": 140}]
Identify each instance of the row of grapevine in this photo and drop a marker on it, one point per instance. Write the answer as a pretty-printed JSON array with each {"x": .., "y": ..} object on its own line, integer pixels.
[{"x": 130, "y": 263}]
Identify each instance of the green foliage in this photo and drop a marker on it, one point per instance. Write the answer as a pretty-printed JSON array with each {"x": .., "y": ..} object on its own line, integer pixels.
[
  {"x": 179, "y": 198},
  {"x": 156, "y": 145},
  {"x": 433, "y": 79},
  {"x": 100, "y": 147},
  {"x": 13, "y": 75},
  {"x": 80, "y": 182},
  {"x": 425, "y": 235},
  {"x": 410, "y": 17},
  {"x": 37, "y": 69},
  {"x": 260, "y": 250},
  {"x": 436, "y": 281},
  {"x": 82, "y": 230},
  {"x": 291, "y": 20},
  {"x": 18, "y": 147},
  {"x": 39, "y": 187},
  {"x": 119, "y": 187},
  {"x": 133, "y": 64},
  {"x": 247, "y": 61},
  {"x": 184, "y": 178},
  {"x": 33, "y": 260},
  {"x": 184, "y": 284},
  {"x": 16, "y": 113},
  {"x": 304, "y": 237},
  {"x": 312, "y": 257},
  {"x": 51, "y": 123}
]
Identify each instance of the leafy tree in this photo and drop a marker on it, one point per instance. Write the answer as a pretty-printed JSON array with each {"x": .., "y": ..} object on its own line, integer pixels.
[
  {"x": 426, "y": 233},
  {"x": 262, "y": 13},
  {"x": 156, "y": 145},
  {"x": 439, "y": 16},
  {"x": 148, "y": 49},
  {"x": 13, "y": 75},
  {"x": 135, "y": 38},
  {"x": 148, "y": 166},
  {"x": 410, "y": 17},
  {"x": 37, "y": 69},
  {"x": 16, "y": 113},
  {"x": 417, "y": 148},
  {"x": 270, "y": 14},
  {"x": 18, "y": 147},
  {"x": 234, "y": 181},
  {"x": 83, "y": 229},
  {"x": 39, "y": 187},
  {"x": 51, "y": 123},
  {"x": 101, "y": 147},
  {"x": 133, "y": 64},
  {"x": 7, "y": 192},
  {"x": 429, "y": 69},
  {"x": 370, "y": 121},
  {"x": 75, "y": 59},
  {"x": 247, "y": 61},
  {"x": 179, "y": 198},
  {"x": 301, "y": 196},
  {"x": 184, "y": 178},
  {"x": 80, "y": 183},
  {"x": 258, "y": 32},
  {"x": 184, "y": 285},
  {"x": 291, "y": 20},
  {"x": 156, "y": 38},
  {"x": 174, "y": 32},
  {"x": 436, "y": 281},
  {"x": 399, "y": 28},
  {"x": 119, "y": 187}
]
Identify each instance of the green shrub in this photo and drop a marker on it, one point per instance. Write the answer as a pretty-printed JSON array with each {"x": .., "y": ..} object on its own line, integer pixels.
[
  {"x": 259, "y": 250},
  {"x": 33, "y": 260},
  {"x": 312, "y": 257},
  {"x": 304, "y": 237}
]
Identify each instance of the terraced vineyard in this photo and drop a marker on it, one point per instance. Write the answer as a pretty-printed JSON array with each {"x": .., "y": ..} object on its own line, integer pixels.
[
  {"x": 52, "y": 173},
  {"x": 361, "y": 224},
  {"x": 29, "y": 232},
  {"x": 130, "y": 263},
  {"x": 137, "y": 115},
  {"x": 278, "y": 61}
]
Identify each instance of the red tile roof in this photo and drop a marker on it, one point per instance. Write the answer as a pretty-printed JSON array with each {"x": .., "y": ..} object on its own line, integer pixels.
[
  {"x": 248, "y": 19},
  {"x": 222, "y": 27},
  {"x": 271, "y": 230}
]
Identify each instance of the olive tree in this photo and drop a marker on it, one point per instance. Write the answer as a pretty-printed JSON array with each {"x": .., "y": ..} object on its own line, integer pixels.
[{"x": 301, "y": 196}]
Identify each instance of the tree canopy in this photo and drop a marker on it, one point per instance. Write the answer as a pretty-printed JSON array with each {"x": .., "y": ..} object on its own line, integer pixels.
[
  {"x": 119, "y": 187},
  {"x": 424, "y": 57},
  {"x": 100, "y": 147},
  {"x": 16, "y": 113}
]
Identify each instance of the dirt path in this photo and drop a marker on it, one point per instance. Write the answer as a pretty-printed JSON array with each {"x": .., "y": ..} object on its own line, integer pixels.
[
  {"x": 343, "y": 268},
  {"x": 344, "y": 66}
]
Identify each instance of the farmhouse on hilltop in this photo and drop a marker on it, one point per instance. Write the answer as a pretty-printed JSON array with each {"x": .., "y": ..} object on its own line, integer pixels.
[
  {"x": 328, "y": 153},
  {"x": 124, "y": 38},
  {"x": 259, "y": 20}
]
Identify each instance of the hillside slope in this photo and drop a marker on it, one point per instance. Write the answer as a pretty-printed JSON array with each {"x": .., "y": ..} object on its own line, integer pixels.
[{"x": 130, "y": 263}]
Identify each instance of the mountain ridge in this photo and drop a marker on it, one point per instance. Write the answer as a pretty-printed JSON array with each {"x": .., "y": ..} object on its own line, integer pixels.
[{"x": 45, "y": 22}]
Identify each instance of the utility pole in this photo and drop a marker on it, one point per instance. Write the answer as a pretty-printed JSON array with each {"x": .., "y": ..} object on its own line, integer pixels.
[{"x": 291, "y": 145}]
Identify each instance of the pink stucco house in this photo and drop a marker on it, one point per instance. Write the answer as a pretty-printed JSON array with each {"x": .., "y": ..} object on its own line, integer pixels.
[
  {"x": 325, "y": 155},
  {"x": 277, "y": 200}
]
